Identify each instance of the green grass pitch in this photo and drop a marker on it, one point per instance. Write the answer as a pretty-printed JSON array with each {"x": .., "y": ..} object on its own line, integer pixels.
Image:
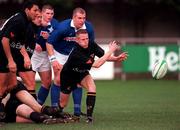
[{"x": 125, "y": 105}]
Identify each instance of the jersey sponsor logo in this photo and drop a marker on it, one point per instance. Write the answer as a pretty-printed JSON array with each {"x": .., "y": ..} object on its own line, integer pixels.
[
  {"x": 28, "y": 49},
  {"x": 16, "y": 45},
  {"x": 42, "y": 33},
  {"x": 70, "y": 39},
  {"x": 79, "y": 70},
  {"x": 91, "y": 59}
]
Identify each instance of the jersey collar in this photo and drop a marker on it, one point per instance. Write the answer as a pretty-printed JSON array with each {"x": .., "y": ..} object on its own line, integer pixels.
[{"x": 72, "y": 25}]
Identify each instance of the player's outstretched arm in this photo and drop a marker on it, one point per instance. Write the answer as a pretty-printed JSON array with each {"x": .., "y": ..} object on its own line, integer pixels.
[
  {"x": 99, "y": 62},
  {"x": 121, "y": 57}
]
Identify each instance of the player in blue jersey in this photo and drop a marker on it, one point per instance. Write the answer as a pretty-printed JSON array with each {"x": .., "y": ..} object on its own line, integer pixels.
[
  {"x": 59, "y": 45},
  {"x": 40, "y": 61}
]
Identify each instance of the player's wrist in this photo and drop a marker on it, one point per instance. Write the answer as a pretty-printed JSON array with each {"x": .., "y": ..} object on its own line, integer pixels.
[{"x": 52, "y": 58}]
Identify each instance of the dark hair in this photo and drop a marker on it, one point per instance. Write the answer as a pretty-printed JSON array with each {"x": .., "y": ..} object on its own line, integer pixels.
[
  {"x": 28, "y": 4},
  {"x": 79, "y": 10},
  {"x": 81, "y": 31}
]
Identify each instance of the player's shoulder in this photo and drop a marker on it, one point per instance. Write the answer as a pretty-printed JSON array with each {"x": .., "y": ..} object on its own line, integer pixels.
[
  {"x": 65, "y": 22},
  {"x": 89, "y": 26},
  {"x": 64, "y": 25}
]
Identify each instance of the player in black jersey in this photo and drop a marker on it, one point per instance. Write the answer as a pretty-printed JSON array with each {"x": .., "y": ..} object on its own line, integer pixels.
[
  {"x": 76, "y": 69},
  {"x": 13, "y": 36},
  {"x": 25, "y": 73}
]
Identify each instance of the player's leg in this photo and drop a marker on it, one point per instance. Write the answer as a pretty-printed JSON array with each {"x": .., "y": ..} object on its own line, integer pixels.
[
  {"x": 27, "y": 114},
  {"x": 55, "y": 89},
  {"x": 23, "y": 95},
  {"x": 46, "y": 78},
  {"x": 89, "y": 84},
  {"x": 64, "y": 99},
  {"x": 29, "y": 100},
  {"x": 29, "y": 81},
  {"x": 8, "y": 81},
  {"x": 23, "y": 113},
  {"x": 77, "y": 97}
]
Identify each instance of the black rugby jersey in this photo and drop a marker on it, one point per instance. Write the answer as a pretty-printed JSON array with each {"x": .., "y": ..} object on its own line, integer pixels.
[
  {"x": 81, "y": 59},
  {"x": 16, "y": 28}
]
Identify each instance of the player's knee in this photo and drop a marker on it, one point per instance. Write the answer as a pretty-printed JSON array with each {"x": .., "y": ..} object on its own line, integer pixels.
[
  {"x": 30, "y": 85},
  {"x": 47, "y": 83},
  {"x": 91, "y": 88},
  {"x": 57, "y": 80}
]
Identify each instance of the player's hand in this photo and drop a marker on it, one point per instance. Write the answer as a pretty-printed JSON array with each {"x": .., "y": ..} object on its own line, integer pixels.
[
  {"x": 12, "y": 66},
  {"x": 38, "y": 48},
  {"x": 123, "y": 56},
  {"x": 27, "y": 63},
  {"x": 113, "y": 46},
  {"x": 56, "y": 66}
]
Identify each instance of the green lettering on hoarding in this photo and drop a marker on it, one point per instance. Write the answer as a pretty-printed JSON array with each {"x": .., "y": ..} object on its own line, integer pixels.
[{"x": 143, "y": 57}]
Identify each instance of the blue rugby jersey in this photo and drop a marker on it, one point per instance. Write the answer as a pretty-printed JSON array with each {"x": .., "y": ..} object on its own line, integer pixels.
[
  {"x": 51, "y": 26},
  {"x": 63, "y": 38}
]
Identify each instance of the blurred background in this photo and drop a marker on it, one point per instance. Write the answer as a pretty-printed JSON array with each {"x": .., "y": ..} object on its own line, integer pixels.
[{"x": 148, "y": 29}]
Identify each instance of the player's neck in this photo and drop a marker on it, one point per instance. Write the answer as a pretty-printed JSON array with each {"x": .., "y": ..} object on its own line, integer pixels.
[{"x": 45, "y": 23}]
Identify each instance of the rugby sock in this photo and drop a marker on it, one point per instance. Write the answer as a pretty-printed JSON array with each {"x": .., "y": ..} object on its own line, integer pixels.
[
  {"x": 42, "y": 95},
  {"x": 33, "y": 93},
  {"x": 1, "y": 99},
  {"x": 90, "y": 103},
  {"x": 38, "y": 117},
  {"x": 2, "y": 112},
  {"x": 77, "y": 97},
  {"x": 55, "y": 92}
]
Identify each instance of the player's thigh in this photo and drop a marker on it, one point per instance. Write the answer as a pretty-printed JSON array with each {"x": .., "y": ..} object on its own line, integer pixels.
[
  {"x": 28, "y": 79},
  {"x": 46, "y": 78},
  {"x": 12, "y": 80},
  {"x": 23, "y": 111},
  {"x": 88, "y": 83},
  {"x": 3, "y": 81}
]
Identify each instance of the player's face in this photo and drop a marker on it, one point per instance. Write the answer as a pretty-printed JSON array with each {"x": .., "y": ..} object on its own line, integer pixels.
[
  {"x": 83, "y": 40},
  {"x": 79, "y": 19},
  {"x": 47, "y": 15},
  {"x": 37, "y": 21},
  {"x": 32, "y": 13}
]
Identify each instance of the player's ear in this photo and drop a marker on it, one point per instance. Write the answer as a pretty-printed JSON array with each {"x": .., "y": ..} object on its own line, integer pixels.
[{"x": 76, "y": 39}]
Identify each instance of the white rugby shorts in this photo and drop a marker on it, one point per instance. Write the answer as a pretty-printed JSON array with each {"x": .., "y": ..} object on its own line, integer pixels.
[
  {"x": 40, "y": 61},
  {"x": 61, "y": 58}
]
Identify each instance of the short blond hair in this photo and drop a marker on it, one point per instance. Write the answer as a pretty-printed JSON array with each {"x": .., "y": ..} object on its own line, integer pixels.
[
  {"x": 78, "y": 10},
  {"x": 47, "y": 6}
]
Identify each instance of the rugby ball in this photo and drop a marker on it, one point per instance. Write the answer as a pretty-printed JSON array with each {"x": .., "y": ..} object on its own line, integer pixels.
[{"x": 159, "y": 69}]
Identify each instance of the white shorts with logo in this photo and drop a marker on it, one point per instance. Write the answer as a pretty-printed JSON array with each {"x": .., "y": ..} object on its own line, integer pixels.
[
  {"x": 61, "y": 58},
  {"x": 40, "y": 61}
]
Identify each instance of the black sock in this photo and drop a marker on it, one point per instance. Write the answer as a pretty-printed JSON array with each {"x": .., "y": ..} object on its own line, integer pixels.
[
  {"x": 1, "y": 99},
  {"x": 50, "y": 111},
  {"x": 38, "y": 117},
  {"x": 90, "y": 103},
  {"x": 2, "y": 112},
  {"x": 33, "y": 93}
]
